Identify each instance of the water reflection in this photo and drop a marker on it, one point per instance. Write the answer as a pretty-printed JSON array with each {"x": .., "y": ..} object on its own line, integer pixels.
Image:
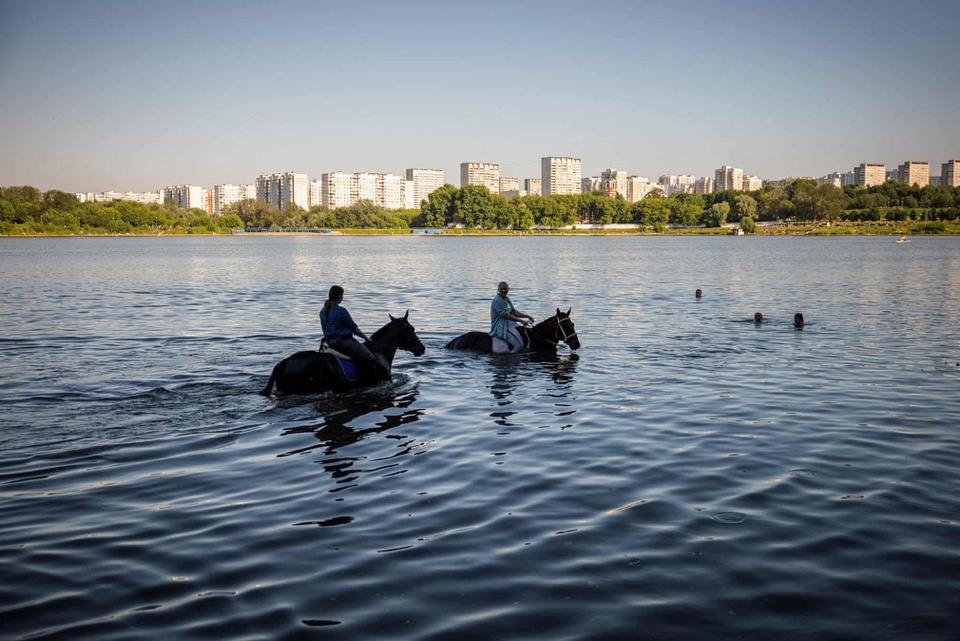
[
  {"x": 509, "y": 373},
  {"x": 336, "y": 430},
  {"x": 506, "y": 372}
]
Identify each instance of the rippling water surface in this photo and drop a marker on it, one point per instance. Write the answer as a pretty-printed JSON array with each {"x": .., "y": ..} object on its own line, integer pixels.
[{"x": 686, "y": 474}]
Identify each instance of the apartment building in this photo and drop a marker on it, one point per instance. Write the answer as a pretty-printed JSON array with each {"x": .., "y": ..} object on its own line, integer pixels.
[
  {"x": 676, "y": 184},
  {"x": 227, "y": 194},
  {"x": 637, "y": 188},
  {"x": 728, "y": 177},
  {"x": 835, "y": 179},
  {"x": 145, "y": 197},
  {"x": 752, "y": 183},
  {"x": 703, "y": 185},
  {"x": 870, "y": 174},
  {"x": 532, "y": 186},
  {"x": 509, "y": 184},
  {"x": 950, "y": 173},
  {"x": 425, "y": 182},
  {"x": 339, "y": 189},
  {"x": 591, "y": 183},
  {"x": 912, "y": 172},
  {"x": 560, "y": 175},
  {"x": 185, "y": 196},
  {"x": 283, "y": 189},
  {"x": 481, "y": 173}
]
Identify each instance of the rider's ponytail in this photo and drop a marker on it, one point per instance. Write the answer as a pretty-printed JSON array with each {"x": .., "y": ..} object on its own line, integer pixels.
[{"x": 334, "y": 296}]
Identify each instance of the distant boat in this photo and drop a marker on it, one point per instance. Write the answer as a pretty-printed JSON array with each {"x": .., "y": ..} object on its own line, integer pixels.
[
  {"x": 737, "y": 231},
  {"x": 902, "y": 239}
]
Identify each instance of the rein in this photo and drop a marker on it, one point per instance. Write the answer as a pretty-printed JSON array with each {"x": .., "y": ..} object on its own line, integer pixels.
[{"x": 559, "y": 330}]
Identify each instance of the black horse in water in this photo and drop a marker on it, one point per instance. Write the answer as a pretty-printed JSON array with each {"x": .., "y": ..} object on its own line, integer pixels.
[
  {"x": 542, "y": 337},
  {"x": 312, "y": 372}
]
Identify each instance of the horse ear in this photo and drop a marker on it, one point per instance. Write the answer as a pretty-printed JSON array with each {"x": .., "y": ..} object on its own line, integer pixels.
[
  {"x": 405, "y": 315},
  {"x": 391, "y": 316},
  {"x": 558, "y": 311},
  {"x": 569, "y": 309}
]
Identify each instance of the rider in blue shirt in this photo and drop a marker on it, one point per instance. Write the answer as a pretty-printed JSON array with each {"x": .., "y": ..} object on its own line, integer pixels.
[
  {"x": 339, "y": 330},
  {"x": 503, "y": 318}
]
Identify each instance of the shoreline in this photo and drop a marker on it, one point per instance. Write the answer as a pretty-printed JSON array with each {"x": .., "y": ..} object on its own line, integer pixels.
[{"x": 779, "y": 231}]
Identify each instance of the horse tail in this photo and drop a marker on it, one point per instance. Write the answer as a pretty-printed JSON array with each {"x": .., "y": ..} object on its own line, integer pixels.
[{"x": 273, "y": 377}]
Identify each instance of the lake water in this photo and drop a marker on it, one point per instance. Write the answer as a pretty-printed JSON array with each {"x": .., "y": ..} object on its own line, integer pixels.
[{"x": 687, "y": 474}]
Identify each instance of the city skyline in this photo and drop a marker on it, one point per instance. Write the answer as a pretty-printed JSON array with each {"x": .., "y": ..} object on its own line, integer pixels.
[{"x": 103, "y": 96}]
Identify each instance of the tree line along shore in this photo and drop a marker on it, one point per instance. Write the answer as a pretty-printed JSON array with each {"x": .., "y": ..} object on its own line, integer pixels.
[{"x": 797, "y": 206}]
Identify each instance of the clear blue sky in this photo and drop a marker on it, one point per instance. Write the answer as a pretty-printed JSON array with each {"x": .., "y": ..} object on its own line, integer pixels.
[{"x": 137, "y": 95}]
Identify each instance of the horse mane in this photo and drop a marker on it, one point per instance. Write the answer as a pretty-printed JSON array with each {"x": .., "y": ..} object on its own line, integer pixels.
[{"x": 383, "y": 330}]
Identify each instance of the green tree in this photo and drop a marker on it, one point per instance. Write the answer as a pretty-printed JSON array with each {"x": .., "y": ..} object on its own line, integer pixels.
[
  {"x": 61, "y": 200},
  {"x": 653, "y": 212},
  {"x": 686, "y": 209},
  {"x": 743, "y": 206},
  {"x": 230, "y": 221},
  {"x": 473, "y": 205},
  {"x": 437, "y": 208},
  {"x": 716, "y": 216},
  {"x": 255, "y": 213},
  {"x": 747, "y": 224},
  {"x": 818, "y": 202}
]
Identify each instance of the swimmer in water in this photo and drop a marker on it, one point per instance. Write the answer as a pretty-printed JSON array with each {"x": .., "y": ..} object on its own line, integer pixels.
[
  {"x": 798, "y": 320},
  {"x": 758, "y": 318}
]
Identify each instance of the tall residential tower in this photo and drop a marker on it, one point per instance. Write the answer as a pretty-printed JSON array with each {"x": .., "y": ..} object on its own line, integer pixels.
[{"x": 560, "y": 175}]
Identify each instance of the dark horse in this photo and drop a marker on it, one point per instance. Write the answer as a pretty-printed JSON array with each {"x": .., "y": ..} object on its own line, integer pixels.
[
  {"x": 542, "y": 337},
  {"x": 311, "y": 372}
]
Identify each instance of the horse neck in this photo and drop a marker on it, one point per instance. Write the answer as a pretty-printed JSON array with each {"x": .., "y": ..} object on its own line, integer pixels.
[
  {"x": 541, "y": 333},
  {"x": 384, "y": 343}
]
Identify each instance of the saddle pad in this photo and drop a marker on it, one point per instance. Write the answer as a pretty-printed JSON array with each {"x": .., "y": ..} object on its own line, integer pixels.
[{"x": 347, "y": 367}]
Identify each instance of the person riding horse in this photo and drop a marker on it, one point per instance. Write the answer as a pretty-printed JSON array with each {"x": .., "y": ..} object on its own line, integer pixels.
[
  {"x": 503, "y": 315},
  {"x": 339, "y": 329}
]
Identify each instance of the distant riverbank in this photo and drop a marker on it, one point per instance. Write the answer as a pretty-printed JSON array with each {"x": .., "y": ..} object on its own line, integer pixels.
[{"x": 841, "y": 229}]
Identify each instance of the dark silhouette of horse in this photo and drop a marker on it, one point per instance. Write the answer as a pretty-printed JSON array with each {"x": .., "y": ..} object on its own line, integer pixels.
[
  {"x": 542, "y": 337},
  {"x": 312, "y": 372}
]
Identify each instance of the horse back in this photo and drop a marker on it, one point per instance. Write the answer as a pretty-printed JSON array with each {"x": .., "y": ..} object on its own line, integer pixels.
[{"x": 477, "y": 341}]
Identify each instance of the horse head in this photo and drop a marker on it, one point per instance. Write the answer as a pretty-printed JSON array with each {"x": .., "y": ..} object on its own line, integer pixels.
[
  {"x": 405, "y": 336},
  {"x": 566, "y": 332}
]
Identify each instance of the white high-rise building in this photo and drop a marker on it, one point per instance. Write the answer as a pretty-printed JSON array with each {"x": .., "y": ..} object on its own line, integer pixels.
[
  {"x": 224, "y": 195},
  {"x": 677, "y": 184},
  {"x": 283, "y": 189},
  {"x": 336, "y": 188},
  {"x": 390, "y": 191},
  {"x": 383, "y": 190},
  {"x": 591, "y": 183},
  {"x": 728, "y": 177},
  {"x": 145, "y": 197},
  {"x": 425, "y": 182},
  {"x": 703, "y": 185},
  {"x": 364, "y": 187},
  {"x": 316, "y": 193},
  {"x": 185, "y": 196},
  {"x": 532, "y": 186},
  {"x": 752, "y": 183},
  {"x": 637, "y": 188},
  {"x": 560, "y": 175},
  {"x": 481, "y": 173}
]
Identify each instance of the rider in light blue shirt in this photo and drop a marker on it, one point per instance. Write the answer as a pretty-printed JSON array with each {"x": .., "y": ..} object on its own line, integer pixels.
[{"x": 503, "y": 318}]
